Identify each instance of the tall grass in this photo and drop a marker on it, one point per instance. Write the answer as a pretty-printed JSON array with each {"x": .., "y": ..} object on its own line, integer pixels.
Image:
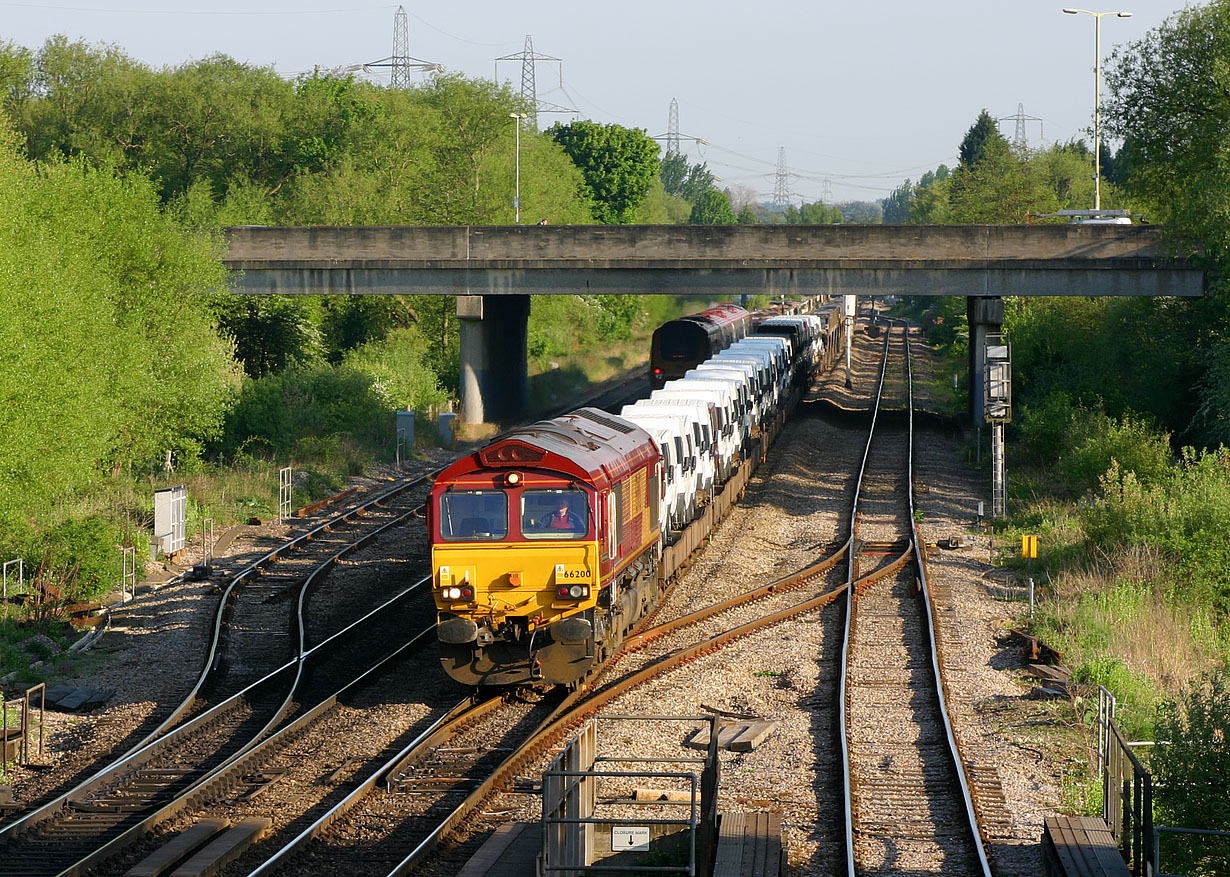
[{"x": 1136, "y": 568}]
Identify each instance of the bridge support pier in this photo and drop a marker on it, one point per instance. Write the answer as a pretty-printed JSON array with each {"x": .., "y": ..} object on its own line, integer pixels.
[
  {"x": 494, "y": 364},
  {"x": 986, "y": 317}
]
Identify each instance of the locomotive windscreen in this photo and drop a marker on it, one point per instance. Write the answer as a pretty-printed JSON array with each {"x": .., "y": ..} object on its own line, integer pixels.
[
  {"x": 474, "y": 515},
  {"x": 682, "y": 339}
]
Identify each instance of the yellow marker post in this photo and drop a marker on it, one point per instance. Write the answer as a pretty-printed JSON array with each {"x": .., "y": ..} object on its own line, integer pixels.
[{"x": 1029, "y": 551}]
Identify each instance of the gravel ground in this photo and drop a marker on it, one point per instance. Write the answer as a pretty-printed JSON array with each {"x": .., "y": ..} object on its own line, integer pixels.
[
  {"x": 783, "y": 674},
  {"x": 786, "y": 674},
  {"x": 150, "y": 657}
]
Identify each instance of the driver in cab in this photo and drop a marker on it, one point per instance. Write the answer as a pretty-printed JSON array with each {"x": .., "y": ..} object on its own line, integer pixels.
[{"x": 563, "y": 518}]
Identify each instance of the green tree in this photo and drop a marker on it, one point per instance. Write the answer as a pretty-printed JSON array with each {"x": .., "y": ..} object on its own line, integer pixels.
[
  {"x": 747, "y": 216},
  {"x": 981, "y": 134},
  {"x": 88, "y": 101},
  {"x": 896, "y": 207},
  {"x": 998, "y": 187},
  {"x": 712, "y": 208},
  {"x": 1169, "y": 100},
  {"x": 929, "y": 205},
  {"x": 1068, "y": 169},
  {"x": 618, "y": 164},
  {"x": 105, "y": 313},
  {"x": 16, "y": 77},
  {"x": 674, "y": 172},
  {"x": 688, "y": 181},
  {"x": 321, "y": 123},
  {"x": 860, "y": 213},
  {"x": 1190, "y": 770},
  {"x": 271, "y": 332}
]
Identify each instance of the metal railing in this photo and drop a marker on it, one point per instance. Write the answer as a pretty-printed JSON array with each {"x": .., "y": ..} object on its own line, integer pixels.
[
  {"x": 1157, "y": 844},
  {"x": 15, "y": 739},
  {"x": 1127, "y": 792},
  {"x": 572, "y": 820}
]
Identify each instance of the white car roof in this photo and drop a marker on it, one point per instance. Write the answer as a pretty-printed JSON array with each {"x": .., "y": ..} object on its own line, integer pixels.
[
  {"x": 735, "y": 368},
  {"x": 686, "y": 383}
]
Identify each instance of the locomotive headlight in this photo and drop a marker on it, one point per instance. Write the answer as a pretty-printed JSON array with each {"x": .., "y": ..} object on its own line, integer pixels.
[
  {"x": 577, "y": 591},
  {"x": 452, "y": 593},
  {"x": 512, "y": 479}
]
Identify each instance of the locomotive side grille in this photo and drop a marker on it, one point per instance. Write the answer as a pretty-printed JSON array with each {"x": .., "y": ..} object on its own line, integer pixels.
[{"x": 599, "y": 417}]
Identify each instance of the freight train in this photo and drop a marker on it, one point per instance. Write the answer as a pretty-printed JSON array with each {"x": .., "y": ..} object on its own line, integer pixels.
[{"x": 549, "y": 544}]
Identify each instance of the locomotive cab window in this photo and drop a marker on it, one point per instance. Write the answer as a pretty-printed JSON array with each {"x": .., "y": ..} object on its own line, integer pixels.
[
  {"x": 473, "y": 515},
  {"x": 554, "y": 514}
]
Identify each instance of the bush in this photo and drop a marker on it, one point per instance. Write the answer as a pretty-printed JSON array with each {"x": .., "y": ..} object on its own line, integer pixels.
[
  {"x": 1190, "y": 769},
  {"x": 1185, "y": 518},
  {"x": 1097, "y": 441},
  {"x": 1045, "y": 428},
  {"x": 399, "y": 372},
  {"x": 91, "y": 547},
  {"x": 280, "y": 411},
  {"x": 1081, "y": 443}
]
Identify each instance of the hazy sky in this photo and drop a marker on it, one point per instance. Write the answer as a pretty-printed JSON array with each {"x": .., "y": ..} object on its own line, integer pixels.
[{"x": 862, "y": 94}]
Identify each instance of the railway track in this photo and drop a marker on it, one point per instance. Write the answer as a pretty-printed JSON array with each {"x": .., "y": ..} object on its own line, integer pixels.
[
  {"x": 443, "y": 778},
  {"x": 252, "y": 673},
  {"x": 907, "y": 803},
  {"x": 253, "y": 678}
]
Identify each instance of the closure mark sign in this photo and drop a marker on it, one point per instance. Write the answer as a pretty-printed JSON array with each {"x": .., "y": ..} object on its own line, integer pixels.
[{"x": 630, "y": 837}]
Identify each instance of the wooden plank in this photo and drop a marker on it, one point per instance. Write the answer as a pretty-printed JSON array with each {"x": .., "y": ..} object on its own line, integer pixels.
[
  {"x": 735, "y": 736},
  {"x": 1084, "y": 847},
  {"x": 753, "y": 844},
  {"x": 178, "y": 848},
  {"x": 749, "y": 845},
  {"x": 728, "y": 861},
  {"x": 224, "y": 848},
  {"x": 751, "y": 735}
]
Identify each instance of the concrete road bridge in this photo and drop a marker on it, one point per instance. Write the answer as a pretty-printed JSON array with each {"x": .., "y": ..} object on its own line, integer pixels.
[{"x": 493, "y": 270}]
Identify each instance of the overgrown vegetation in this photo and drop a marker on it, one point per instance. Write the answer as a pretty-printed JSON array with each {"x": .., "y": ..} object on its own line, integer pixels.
[
  {"x": 1117, "y": 456},
  {"x": 127, "y": 363}
]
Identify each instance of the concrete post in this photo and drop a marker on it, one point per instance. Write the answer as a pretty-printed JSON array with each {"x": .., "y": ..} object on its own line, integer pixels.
[
  {"x": 494, "y": 365},
  {"x": 986, "y": 316}
]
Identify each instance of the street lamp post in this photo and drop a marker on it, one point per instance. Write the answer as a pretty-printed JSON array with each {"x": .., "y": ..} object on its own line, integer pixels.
[
  {"x": 517, "y": 117},
  {"x": 1097, "y": 97}
]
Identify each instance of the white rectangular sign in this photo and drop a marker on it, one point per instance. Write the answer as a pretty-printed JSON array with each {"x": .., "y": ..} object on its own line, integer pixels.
[{"x": 629, "y": 837}]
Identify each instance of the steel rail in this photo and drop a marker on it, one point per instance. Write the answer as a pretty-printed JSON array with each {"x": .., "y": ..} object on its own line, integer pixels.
[
  {"x": 937, "y": 663},
  {"x": 442, "y": 729},
  {"x": 570, "y": 714},
  {"x": 785, "y": 583},
  {"x": 915, "y": 553},
  {"x": 845, "y": 644},
  {"x": 152, "y": 745},
  {"x": 203, "y": 787}
]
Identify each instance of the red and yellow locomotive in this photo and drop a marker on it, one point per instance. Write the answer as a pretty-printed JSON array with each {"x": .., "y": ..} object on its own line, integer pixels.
[{"x": 544, "y": 549}]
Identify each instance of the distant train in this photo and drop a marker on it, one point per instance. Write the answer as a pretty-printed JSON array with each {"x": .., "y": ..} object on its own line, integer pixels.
[
  {"x": 681, "y": 344},
  {"x": 549, "y": 544}
]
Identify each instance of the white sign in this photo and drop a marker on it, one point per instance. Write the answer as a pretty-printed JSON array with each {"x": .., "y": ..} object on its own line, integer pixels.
[{"x": 630, "y": 837}]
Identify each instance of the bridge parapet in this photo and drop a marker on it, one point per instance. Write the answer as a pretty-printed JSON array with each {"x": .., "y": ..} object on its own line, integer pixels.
[
  {"x": 684, "y": 246},
  {"x": 859, "y": 259}
]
